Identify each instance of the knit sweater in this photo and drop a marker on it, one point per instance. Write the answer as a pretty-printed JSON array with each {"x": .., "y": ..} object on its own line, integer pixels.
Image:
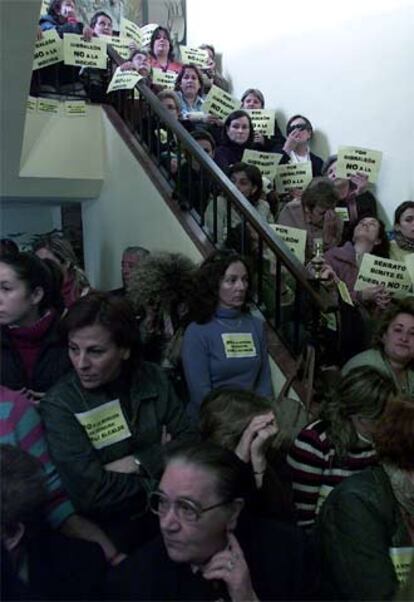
[
  {"x": 228, "y": 352},
  {"x": 316, "y": 469},
  {"x": 20, "y": 425}
]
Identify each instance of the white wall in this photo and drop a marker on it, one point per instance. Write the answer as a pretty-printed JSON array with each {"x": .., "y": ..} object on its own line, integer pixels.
[
  {"x": 129, "y": 211},
  {"x": 348, "y": 66}
]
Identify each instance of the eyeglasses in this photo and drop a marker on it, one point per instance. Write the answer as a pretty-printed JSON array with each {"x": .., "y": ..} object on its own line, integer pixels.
[
  {"x": 185, "y": 510},
  {"x": 299, "y": 126}
]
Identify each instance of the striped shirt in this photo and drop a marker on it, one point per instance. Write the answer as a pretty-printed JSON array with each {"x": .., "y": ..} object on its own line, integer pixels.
[
  {"x": 316, "y": 469},
  {"x": 20, "y": 425}
]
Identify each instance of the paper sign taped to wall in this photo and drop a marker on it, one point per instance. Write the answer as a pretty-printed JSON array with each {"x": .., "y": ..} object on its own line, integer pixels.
[
  {"x": 123, "y": 80},
  {"x": 75, "y": 108},
  {"x": 79, "y": 53},
  {"x": 164, "y": 79},
  {"x": 48, "y": 105},
  {"x": 401, "y": 559},
  {"x": 48, "y": 50},
  {"x": 353, "y": 160},
  {"x": 263, "y": 121},
  {"x": 378, "y": 270},
  {"x": 266, "y": 162},
  {"x": 219, "y": 103},
  {"x": 146, "y": 33},
  {"x": 294, "y": 238},
  {"x": 293, "y": 175},
  {"x": 121, "y": 45},
  {"x": 105, "y": 425},
  {"x": 194, "y": 56},
  {"x": 128, "y": 29},
  {"x": 31, "y": 104}
]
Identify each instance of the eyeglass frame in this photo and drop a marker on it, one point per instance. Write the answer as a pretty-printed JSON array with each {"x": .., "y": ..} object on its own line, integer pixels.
[{"x": 199, "y": 511}]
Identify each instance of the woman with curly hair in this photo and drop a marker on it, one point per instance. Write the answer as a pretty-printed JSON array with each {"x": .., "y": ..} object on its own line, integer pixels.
[
  {"x": 224, "y": 346},
  {"x": 339, "y": 443},
  {"x": 59, "y": 249},
  {"x": 366, "y": 527},
  {"x": 159, "y": 289},
  {"x": 392, "y": 352}
]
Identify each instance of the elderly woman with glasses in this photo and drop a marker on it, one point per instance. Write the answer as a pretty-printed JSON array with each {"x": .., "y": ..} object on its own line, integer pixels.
[{"x": 203, "y": 553}]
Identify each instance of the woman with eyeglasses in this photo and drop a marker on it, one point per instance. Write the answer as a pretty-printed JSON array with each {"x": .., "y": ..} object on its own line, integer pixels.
[
  {"x": 107, "y": 421},
  {"x": 207, "y": 551},
  {"x": 296, "y": 149},
  {"x": 339, "y": 443}
]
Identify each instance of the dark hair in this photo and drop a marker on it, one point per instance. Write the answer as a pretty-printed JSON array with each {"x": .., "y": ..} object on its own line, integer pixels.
[
  {"x": 31, "y": 270},
  {"x": 100, "y": 13},
  {"x": 206, "y": 284},
  {"x": 54, "y": 9},
  {"x": 155, "y": 37},
  {"x": 320, "y": 192},
  {"x": 394, "y": 309},
  {"x": 226, "y": 413},
  {"x": 400, "y": 210},
  {"x": 113, "y": 313},
  {"x": 209, "y": 47},
  {"x": 394, "y": 434},
  {"x": 138, "y": 51},
  {"x": 364, "y": 391},
  {"x": 184, "y": 68},
  {"x": 230, "y": 473},
  {"x": 23, "y": 490},
  {"x": 383, "y": 248},
  {"x": 329, "y": 161},
  {"x": 204, "y": 135},
  {"x": 254, "y": 176},
  {"x": 305, "y": 119},
  {"x": 169, "y": 94},
  {"x": 8, "y": 247},
  {"x": 138, "y": 251},
  {"x": 256, "y": 93},
  {"x": 232, "y": 117}
]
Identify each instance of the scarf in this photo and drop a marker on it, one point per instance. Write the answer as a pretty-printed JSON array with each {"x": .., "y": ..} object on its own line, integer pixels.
[{"x": 405, "y": 243}]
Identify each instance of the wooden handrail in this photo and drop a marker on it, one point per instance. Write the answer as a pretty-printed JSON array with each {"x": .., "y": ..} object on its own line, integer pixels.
[{"x": 275, "y": 244}]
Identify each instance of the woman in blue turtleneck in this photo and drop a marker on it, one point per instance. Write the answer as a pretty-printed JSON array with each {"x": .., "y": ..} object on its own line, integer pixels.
[{"x": 225, "y": 346}]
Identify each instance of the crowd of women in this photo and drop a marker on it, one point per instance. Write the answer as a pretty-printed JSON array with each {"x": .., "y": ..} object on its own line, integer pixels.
[{"x": 141, "y": 452}]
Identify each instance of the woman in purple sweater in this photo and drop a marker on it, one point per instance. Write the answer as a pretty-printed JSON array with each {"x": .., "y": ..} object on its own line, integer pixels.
[{"x": 225, "y": 346}]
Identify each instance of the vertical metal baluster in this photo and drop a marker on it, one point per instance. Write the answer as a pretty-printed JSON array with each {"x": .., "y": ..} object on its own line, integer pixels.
[
  {"x": 278, "y": 280},
  {"x": 260, "y": 261}
]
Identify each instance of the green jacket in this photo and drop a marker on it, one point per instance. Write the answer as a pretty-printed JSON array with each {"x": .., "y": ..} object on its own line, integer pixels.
[
  {"x": 144, "y": 403},
  {"x": 358, "y": 524}
]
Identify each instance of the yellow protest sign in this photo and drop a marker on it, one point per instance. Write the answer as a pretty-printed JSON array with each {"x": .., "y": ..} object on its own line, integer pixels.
[
  {"x": 121, "y": 45},
  {"x": 353, "y": 159},
  {"x": 330, "y": 321},
  {"x": 44, "y": 7},
  {"x": 219, "y": 103},
  {"x": 263, "y": 121},
  {"x": 31, "y": 104},
  {"x": 75, "y": 108},
  {"x": 194, "y": 56},
  {"x": 79, "y": 53},
  {"x": 164, "y": 79},
  {"x": 105, "y": 425},
  {"x": 378, "y": 270},
  {"x": 343, "y": 213},
  {"x": 294, "y": 238},
  {"x": 146, "y": 33},
  {"x": 344, "y": 292},
  {"x": 401, "y": 559},
  {"x": 129, "y": 29},
  {"x": 409, "y": 263},
  {"x": 293, "y": 175},
  {"x": 238, "y": 345},
  {"x": 123, "y": 80},
  {"x": 48, "y": 105},
  {"x": 48, "y": 50},
  {"x": 266, "y": 162}
]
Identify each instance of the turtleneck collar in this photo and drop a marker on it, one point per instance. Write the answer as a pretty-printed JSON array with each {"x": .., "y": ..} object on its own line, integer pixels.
[
  {"x": 35, "y": 332},
  {"x": 227, "y": 313}
]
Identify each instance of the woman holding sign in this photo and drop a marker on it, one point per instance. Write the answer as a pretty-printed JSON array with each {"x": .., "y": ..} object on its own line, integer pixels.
[
  {"x": 366, "y": 527},
  {"x": 225, "y": 345},
  {"x": 253, "y": 100},
  {"x": 107, "y": 421}
]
